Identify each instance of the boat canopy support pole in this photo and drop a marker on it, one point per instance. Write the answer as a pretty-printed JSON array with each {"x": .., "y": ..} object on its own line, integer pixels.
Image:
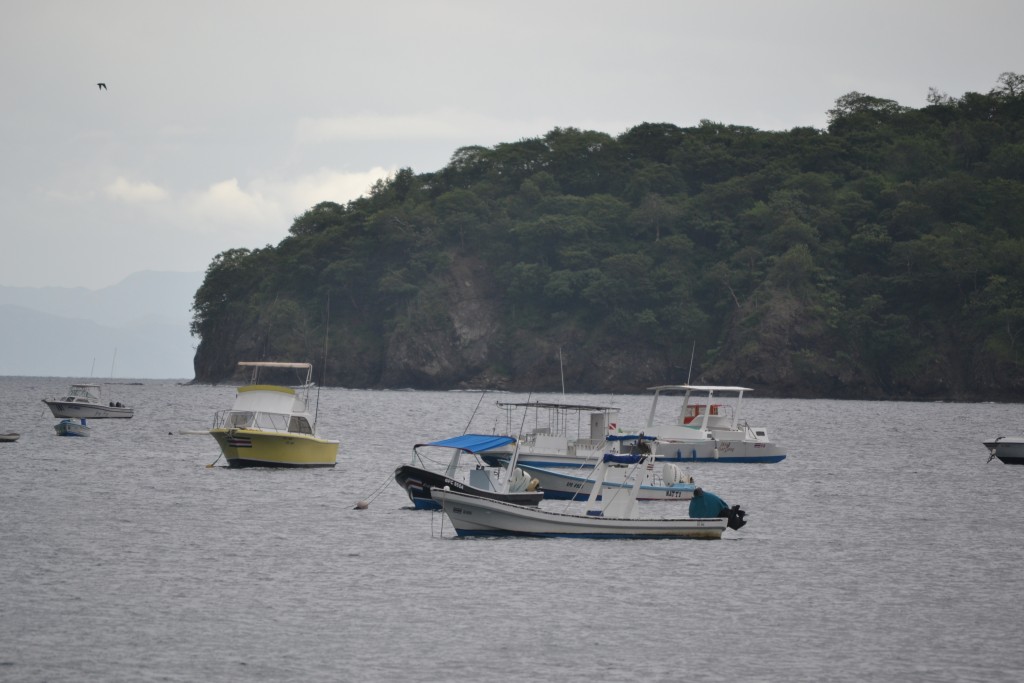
[
  {"x": 707, "y": 412},
  {"x": 595, "y": 490},
  {"x": 654, "y": 406}
]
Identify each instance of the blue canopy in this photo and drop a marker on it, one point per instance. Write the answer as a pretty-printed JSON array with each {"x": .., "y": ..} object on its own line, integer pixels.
[
  {"x": 623, "y": 459},
  {"x": 472, "y": 443},
  {"x": 628, "y": 437}
]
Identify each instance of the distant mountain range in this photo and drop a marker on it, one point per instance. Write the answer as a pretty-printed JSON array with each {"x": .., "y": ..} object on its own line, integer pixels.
[{"x": 138, "y": 328}]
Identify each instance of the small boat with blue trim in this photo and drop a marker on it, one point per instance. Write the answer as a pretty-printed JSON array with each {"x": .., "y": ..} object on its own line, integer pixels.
[
  {"x": 614, "y": 515},
  {"x": 68, "y": 427},
  {"x": 272, "y": 426},
  {"x": 419, "y": 480}
]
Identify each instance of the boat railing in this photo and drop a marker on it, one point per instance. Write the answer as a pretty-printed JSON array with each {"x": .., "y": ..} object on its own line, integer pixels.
[{"x": 588, "y": 446}]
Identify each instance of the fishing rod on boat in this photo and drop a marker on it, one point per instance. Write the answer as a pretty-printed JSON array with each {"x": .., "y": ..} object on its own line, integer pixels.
[{"x": 482, "y": 394}]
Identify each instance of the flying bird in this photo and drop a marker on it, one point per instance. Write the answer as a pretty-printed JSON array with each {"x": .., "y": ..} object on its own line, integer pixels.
[{"x": 102, "y": 86}]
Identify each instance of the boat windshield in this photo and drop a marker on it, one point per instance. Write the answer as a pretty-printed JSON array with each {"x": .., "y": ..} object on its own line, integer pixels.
[
  {"x": 274, "y": 422},
  {"x": 83, "y": 393},
  {"x": 239, "y": 420}
]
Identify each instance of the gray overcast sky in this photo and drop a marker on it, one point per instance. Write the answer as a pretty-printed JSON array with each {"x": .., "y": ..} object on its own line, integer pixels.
[{"x": 225, "y": 120}]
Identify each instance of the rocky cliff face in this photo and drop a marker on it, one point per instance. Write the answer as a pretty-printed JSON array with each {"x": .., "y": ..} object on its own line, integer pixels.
[
  {"x": 452, "y": 334},
  {"x": 446, "y": 336}
]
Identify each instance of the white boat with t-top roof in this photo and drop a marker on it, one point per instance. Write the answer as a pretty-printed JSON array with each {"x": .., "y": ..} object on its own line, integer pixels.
[
  {"x": 556, "y": 434},
  {"x": 707, "y": 428},
  {"x": 86, "y": 401}
]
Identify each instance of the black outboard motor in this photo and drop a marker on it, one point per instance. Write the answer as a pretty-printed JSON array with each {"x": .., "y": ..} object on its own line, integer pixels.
[
  {"x": 735, "y": 515},
  {"x": 706, "y": 504}
]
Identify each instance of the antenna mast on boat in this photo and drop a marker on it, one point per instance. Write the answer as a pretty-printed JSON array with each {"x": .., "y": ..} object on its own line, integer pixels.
[
  {"x": 112, "y": 361},
  {"x": 323, "y": 368},
  {"x": 561, "y": 371},
  {"x": 690, "y": 371}
]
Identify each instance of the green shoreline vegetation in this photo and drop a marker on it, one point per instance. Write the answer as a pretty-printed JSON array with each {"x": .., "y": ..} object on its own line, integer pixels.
[{"x": 882, "y": 257}]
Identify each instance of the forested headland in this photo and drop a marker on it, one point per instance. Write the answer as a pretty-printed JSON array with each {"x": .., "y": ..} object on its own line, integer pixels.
[{"x": 882, "y": 257}]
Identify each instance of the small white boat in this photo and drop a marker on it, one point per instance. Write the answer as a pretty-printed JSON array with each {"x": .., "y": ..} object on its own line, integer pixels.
[
  {"x": 9, "y": 437},
  {"x": 68, "y": 427},
  {"x": 1009, "y": 449},
  {"x": 613, "y": 516},
  {"x": 562, "y": 484},
  {"x": 85, "y": 401},
  {"x": 272, "y": 426},
  {"x": 418, "y": 480},
  {"x": 704, "y": 430}
]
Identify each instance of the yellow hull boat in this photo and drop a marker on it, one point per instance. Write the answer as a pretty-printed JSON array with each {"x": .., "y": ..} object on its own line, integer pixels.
[
  {"x": 271, "y": 426},
  {"x": 256, "y": 448}
]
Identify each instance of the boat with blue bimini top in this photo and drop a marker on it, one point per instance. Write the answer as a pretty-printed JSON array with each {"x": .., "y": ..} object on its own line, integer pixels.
[
  {"x": 272, "y": 426},
  {"x": 419, "y": 480},
  {"x": 705, "y": 429},
  {"x": 612, "y": 515}
]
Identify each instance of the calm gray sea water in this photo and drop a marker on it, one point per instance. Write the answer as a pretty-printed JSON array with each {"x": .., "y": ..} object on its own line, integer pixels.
[{"x": 883, "y": 548}]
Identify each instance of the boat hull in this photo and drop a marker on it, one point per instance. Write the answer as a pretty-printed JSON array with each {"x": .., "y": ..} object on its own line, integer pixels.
[
  {"x": 68, "y": 428},
  {"x": 89, "y": 411},
  {"x": 474, "y": 516},
  {"x": 1008, "y": 449},
  {"x": 565, "y": 486},
  {"x": 419, "y": 482},
  {"x": 664, "y": 451},
  {"x": 718, "y": 451},
  {"x": 255, "y": 448},
  {"x": 9, "y": 437}
]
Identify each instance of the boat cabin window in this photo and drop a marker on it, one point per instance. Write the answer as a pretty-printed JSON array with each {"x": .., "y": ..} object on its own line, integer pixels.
[
  {"x": 299, "y": 425},
  {"x": 274, "y": 421},
  {"x": 240, "y": 420}
]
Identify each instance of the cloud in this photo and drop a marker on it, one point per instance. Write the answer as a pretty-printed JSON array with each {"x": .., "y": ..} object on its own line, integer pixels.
[
  {"x": 326, "y": 184},
  {"x": 226, "y": 207},
  {"x": 125, "y": 190},
  {"x": 262, "y": 211}
]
